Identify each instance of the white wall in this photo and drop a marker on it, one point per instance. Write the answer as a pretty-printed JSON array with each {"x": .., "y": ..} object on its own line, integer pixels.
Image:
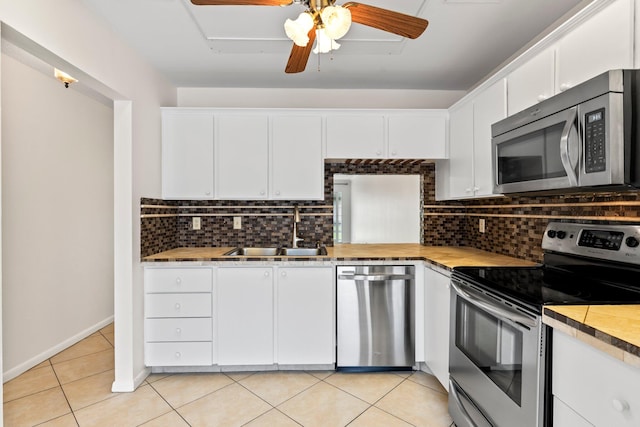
[
  {"x": 57, "y": 198},
  {"x": 67, "y": 32},
  {"x": 385, "y": 208},
  {"x": 316, "y": 98}
]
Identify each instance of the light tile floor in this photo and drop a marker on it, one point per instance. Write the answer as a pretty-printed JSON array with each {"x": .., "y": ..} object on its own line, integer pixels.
[{"x": 73, "y": 389}]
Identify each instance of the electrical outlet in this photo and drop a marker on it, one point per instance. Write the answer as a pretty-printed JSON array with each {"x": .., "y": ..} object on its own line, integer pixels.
[
  {"x": 196, "y": 223},
  {"x": 237, "y": 222},
  {"x": 481, "y": 225}
]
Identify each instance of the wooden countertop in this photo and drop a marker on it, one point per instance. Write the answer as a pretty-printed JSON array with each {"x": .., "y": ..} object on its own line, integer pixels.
[
  {"x": 614, "y": 329},
  {"x": 445, "y": 256}
]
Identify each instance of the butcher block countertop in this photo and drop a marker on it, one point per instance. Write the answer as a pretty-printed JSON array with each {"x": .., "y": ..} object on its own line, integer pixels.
[
  {"x": 614, "y": 329},
  {"x": 444, "y": 256}
]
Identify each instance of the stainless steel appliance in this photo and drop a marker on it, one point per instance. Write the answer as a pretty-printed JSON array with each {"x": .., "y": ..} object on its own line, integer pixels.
[
  {"x": 375, "y": 317},
  {"x": 584, "y": 137},
  {"x": 499, "y": 349}
]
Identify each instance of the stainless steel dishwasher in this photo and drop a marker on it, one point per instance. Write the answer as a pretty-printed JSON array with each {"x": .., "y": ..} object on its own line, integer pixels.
[{"x": 376, "y": 317}]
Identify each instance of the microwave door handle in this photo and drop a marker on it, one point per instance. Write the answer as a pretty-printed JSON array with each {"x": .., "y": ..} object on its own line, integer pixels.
[
  {"x": 565, "y": 149},
  {"x": 491, "y": 307}
]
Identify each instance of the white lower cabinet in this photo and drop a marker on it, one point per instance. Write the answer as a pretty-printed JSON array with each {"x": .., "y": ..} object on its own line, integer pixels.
[
  {"x": 436, "y": 324},
  {"x": 178, "y": 309},
  {"x": 245, "y": 316},
  {"x": 305, "y": 316},
  {"x": 599, "y": 389}
]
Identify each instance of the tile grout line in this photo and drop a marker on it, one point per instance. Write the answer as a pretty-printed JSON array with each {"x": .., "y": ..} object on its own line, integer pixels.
[
  {"x": 170, "y": 406},
  {"x": 64, "y": 394}
]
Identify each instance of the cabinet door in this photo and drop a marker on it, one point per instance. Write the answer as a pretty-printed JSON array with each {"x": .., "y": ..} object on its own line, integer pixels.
[
  {"x": 187, "y": 154},
  {"x": 305, "y": 316},
  {"x": 245, "y": 316},
  {"x": 461, "y": 152},
  {"x": 297, "y": 166},
  {"x": 436, "y": 324},
  {"x": 532, "y": 82},
  {"x": 355, "y": 137},
  {"x": 489, "y": 107},
  {"x": 565, "y": 416},
  {"x": 603, "y": 42},
  {"x": 242, "y": 153},
  {"x": 417, "y": 137}
]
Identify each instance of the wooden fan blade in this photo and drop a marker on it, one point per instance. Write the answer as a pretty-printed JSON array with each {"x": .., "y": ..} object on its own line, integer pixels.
[
  {"x": 387, "y": 20},
  {"x": 241, "y": 2},
  {"x": 300, "y": 55}
]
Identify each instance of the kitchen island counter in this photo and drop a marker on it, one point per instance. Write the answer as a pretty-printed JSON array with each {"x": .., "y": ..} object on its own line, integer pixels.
[
  {"x": 444, "y": 256},
  {"x": 613, "y": 329}
]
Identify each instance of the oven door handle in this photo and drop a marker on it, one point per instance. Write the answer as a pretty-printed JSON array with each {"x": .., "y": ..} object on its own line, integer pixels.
[
  {"x": 453, "y": 392},
  {"x": 491, "y": 307}
]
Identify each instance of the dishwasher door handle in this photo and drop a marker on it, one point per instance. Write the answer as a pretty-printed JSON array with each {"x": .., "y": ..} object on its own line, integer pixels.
[{"x": 375, "y": 277}]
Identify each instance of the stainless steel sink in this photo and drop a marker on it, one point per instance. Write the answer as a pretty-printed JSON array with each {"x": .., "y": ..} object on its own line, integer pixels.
[
  {"x": 253, "y": 252},
  {"x": 277, "y": 251},
  {"x": 303, "y": 251}
]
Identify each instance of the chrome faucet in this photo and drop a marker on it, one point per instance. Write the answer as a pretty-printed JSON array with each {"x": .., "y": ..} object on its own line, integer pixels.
[{"x": 296, "y": 220}]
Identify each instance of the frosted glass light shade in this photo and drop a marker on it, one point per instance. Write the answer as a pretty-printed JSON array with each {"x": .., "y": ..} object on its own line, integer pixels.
[
  {"x": 336, "y": 21},
  {"x": 324, "y": 43},
  {"x": 298, "y": 30}
]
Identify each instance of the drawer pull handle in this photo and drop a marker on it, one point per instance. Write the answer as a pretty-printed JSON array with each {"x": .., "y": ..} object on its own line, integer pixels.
[
  {"x": 620, "y": 405},
  {"x": 178, "y": 331},
  {"x": 177, "y": 306},
  {"x": 178, "y": 355}
]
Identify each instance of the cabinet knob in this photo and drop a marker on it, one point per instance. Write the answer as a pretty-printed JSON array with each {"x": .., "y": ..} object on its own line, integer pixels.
[
  {"x": 178, "y": 280},
  {"x": 277, "y": 193},
  {"x": 178, "y": 331},
  {"x": 178, "y": 355},
  {"x": 476, "y": 188},
  {"x": 542, "y": 97},
  {"x": 177, "y": 306},
  {"x": 207, "y": 193},
  {"x": 284, "y": 274},
  {"x": 262, "y": 192},
  {"x": 378, "y": 153},
  {"x": 266, "y": 274},
  {"x": 620, "y": 405},
  {"x": 467, "y": 190},
  {"x": 565, "y": 86},
  {"x": 394, "y": 152}
]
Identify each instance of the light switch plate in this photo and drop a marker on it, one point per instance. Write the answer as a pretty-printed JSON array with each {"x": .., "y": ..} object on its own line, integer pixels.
[
  {"x": 196, "y": 223},
  {"x": 237, "y": 222},
  {"x": 481, "y": 225}
]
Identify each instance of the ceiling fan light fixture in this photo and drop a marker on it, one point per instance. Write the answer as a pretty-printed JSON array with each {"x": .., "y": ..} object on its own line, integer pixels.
[
  {"x": 336, "y": 21},
  {"x": 324, "y": 43},
  {"x": 298, "y": 30}
]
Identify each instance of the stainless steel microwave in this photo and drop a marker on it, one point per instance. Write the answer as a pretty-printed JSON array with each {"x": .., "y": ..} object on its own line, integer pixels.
[{"x": 583, "y": 139}]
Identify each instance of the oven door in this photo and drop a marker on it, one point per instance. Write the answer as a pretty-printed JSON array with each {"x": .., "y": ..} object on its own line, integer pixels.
[
  {"x": 496, "y": 361},
  {"x": 542, "y": 155}
]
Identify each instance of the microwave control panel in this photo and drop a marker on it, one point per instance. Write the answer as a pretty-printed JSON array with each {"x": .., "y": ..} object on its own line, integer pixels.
[{"x": 595, "y": 156}]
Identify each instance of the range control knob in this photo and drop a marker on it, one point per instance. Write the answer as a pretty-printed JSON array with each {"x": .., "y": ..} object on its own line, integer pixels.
[
  {"x": 632, "y": 242},
  {"x": 551, "y": 233},
  {"x": 561, "y": 234}
]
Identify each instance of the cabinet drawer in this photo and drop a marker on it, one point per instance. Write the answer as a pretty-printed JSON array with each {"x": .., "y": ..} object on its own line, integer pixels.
[
  {"x": 178, "y": 354},
  {"x": 602, "y": 389},
  {"x": 178, "y": 329},
  {"x": 178, "y": 305},
  {"x": 178, "y": 280}
]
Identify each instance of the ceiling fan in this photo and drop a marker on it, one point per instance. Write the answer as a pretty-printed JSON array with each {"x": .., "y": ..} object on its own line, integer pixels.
[{"x": 324, "y": 22}]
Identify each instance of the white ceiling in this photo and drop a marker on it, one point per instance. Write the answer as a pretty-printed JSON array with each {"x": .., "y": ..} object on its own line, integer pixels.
[{"x": 245, "y": 46}]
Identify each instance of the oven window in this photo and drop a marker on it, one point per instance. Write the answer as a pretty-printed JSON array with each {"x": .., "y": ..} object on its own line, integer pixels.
[
  {"x": 494, "y": 346},
  {"x": 531, "y": 157}
]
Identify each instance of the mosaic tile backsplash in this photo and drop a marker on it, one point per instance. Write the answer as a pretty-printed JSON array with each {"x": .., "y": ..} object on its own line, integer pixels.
[{"x": 514, "y": 225}]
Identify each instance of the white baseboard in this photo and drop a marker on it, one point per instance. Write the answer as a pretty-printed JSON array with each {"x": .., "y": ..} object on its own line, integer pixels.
[
  {"x": 129, "y": 386},
  {"x": 34, "y": 361}
]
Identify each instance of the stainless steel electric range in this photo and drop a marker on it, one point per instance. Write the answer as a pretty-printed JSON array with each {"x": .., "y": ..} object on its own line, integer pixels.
[{"x": 500, "y": 350}]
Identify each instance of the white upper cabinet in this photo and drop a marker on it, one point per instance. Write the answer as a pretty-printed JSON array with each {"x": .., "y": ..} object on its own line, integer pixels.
[
  {"x": 387, "y": 135},
  {"x": 532, "y": 82},
  {"x": 603, "y": 42},
  {"x": 355, "y": 136},
  {"x": 187, "y": 154},
  {"x": 419, "y": 136},
  {"x": 297, "y": 166},
  {"x": 470, "y": 173},
  {"x": 242, "y": 154}
]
